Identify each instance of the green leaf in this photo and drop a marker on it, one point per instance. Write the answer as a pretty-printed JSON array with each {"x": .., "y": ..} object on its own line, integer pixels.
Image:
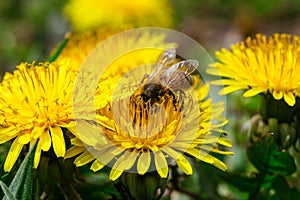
[
  {"x": 295, "y": 194},
  {"x": 266, "y": 157},
  {"x": 281, "y": 163},
  {"x": 282, "y": 188},
  {"x": 21, "y": 185},
  {"x": 259, "y": 153},
  {"x": 267, "y": 180},
  {"x": 59, "y": 49},
  {"x": 9, "y": 195}
]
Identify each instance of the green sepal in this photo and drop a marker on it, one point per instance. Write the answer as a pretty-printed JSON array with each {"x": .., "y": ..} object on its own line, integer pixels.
[
  {"x": 8, "y": 194},
  {"x": 21, "y": 185},
  {"x": 144, "y": 187}
]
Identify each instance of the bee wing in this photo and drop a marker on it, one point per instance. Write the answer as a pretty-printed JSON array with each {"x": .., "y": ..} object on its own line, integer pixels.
[
  {"x": 170, "y": 76},
  {"x": 165, "y": 60}
]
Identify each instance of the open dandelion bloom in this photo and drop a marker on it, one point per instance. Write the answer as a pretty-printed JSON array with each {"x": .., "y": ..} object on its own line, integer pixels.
[
  {"x": 35, "y": 103},
  {"x": 90, "y": 14},
  {"x": 261, "y": 65},
  {"x": 127, "y": 137},
  {"x": 82, "y": 45}
]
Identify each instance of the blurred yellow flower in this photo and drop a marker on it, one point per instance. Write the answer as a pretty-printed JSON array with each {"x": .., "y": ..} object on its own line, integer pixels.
[
  {"x": 125, "y": 138},
  {"x": 90, "y": 14},
  {"x": 261, "y": 65},
  {"x": 81, "y": 45},
  {"x": 35, "y": 104}
]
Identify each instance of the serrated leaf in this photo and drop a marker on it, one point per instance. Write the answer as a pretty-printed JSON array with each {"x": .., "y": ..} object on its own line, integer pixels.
[
  {"x": 282, "y": 163},
  {"x": 267, "y": 158},
  {"x": 21, "y": 185},
  {"x": 9, "y": 195},
  {"x": 259, "y": 153}
]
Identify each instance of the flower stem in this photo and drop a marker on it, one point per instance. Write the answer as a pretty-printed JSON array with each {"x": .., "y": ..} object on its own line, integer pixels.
[{"x": 59, "y": 49}]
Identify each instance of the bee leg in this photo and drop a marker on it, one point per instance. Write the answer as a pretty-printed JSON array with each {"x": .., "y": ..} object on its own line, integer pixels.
[
  {"x": 146, "y": 76},
  {"x": 181, "y": 97},
  {"x": 136, "y": 109},
  {"x": 175, "y": 102}
]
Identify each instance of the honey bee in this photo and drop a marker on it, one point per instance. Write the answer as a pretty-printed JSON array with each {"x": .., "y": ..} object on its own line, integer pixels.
[{"x": 167, "y": 81}]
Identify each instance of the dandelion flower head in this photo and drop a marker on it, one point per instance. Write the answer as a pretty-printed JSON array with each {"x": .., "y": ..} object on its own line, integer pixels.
[
  {"x": 36, "y": 104},
  {"x": 149, "y": 143},
  {"x": 90, "y": 14},
  {"x": 261, "y": 65}
]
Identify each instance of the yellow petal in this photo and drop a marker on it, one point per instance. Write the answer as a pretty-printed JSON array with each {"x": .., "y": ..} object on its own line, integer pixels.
[
  {"x": 171, "y": 152},
  {"x": 84, "y": 158},
  {"x": 144, "y": 163},
  {"x": 5, "y": 138},
  {"x": 45, "y": 141},
  {"x": 289, "y": 98},
  {"x": 10, "y": 131},
  {"x": 58, "y": 141},
  {"x": 204, "y": 156},
  {"x": 37, "y": 154},
  {"x": 77, "y": 142},
  {"x": 230, "y": 89},
  {"x": 277, "y": 95},
  {"x": 124, "y": 162},
  {"x": 67, "y": 124},
  {"x": 37, "y": 132},
  {"x": 12, "y": 155},
  {"x": 74, "y": 131},
  {"x": 215, "y": 150},
  {"x": 128, "y": 159},
  {"x": 184, "y": 165},
  {"x": 115, "y": 174},
  {"x": 93, "y": 136},
  {"x": 24, "y": 138},
  {"x": 253, "y": 91},
  {"x": 223, "y": 82},
  {"x": 73, "y": 151},
  {"x": 161, "y": 164},
  {"x": 107, "y": 154},
  {"x": 225, "y": 141},
  {"x": 96, "y": 166}
]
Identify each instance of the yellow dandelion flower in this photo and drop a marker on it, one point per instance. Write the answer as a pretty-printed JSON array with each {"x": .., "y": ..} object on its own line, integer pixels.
[
  {"x": 127, "y": 138},
  {"x": 261, "y": 65},
  {"x": 82, "y": 45},
  {"x": 35, "y": 104},
  {"x": 90, "y": 14}
]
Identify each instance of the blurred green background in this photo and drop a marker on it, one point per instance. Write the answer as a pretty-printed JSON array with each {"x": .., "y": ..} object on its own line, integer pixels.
[{"x": 31, "y": 28}]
